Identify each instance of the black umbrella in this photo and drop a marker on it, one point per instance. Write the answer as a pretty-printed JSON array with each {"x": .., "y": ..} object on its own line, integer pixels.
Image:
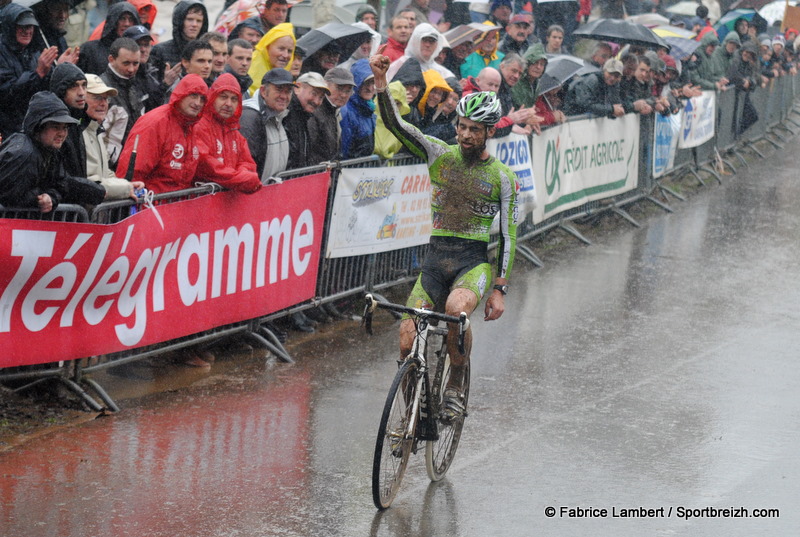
[
  {"x": 620, "y": 31},
  {"x": 346, "y": 38},
  {"x": 560, "y": 69}
]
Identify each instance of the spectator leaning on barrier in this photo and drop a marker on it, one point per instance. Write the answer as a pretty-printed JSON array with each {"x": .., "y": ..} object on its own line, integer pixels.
[
  {"x": 23, "y": 69},
  {"x": 31, "y": 170},
  {"x": 97, "y": 169},
  {"x": 636, "y": 91},
  {"x": 526, "y": 90},
  {"x": 702, "y": 73},
  {"x": 358, "y": 115},
  {"x": 167, "y": 155},
  {"x": 745, "y": 74},
  {"x": 224, "y": 156},
  {"x": 325, "y": 133},
  {"x": 262, "y": 123},
  {"x": 189, "y": 21},
  {"x": 94, "y": 54},
  {"x": 597, "y": 93},
  {"x": 520, "y": 119},
  {"x": 309, "y": 94},
  {"x": 723, "y": 56},
  {"x": 240, "y": 56}
]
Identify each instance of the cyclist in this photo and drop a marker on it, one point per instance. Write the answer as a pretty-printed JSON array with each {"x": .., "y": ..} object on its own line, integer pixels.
[{"x": 469, "y": 187}]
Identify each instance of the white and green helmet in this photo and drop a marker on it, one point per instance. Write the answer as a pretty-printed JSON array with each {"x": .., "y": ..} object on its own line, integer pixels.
[{"x": 482, "y": 106}]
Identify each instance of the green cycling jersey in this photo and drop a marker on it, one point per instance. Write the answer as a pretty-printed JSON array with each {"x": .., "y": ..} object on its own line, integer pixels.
[{"x": 465, "y": 198}]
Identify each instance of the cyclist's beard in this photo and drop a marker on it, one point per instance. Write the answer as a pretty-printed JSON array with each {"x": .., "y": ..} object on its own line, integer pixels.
[{"x": 472, "y": 155}]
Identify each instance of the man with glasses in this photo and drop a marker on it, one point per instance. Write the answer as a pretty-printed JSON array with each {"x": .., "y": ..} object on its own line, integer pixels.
[{"x": 325, "y": 131}]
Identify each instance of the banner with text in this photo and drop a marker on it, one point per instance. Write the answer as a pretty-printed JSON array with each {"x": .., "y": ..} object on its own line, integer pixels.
[
  {"x": 379, "y": 210},
  {"x": 80, "y": 290},
  {"x": 514, "y": 151},
  {"x": 584, "y": 160},
  {"x": 698, "y": 122},
  {"x": 665, "y": 142}
]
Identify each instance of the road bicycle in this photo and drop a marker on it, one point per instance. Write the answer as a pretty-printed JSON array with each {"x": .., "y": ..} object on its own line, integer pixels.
[{"x": 414, "y": 410}]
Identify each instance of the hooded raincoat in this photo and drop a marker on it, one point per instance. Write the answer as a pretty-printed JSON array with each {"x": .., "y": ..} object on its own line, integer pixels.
[
  {"x": 64, "y": 76},
  {"x": 27, "y": 169},
  {"x": 525, "y": 91},
  {"x": 94, "y": 54},
  {"x": 224, "y": 156},
  {"x": 18, "y": 77},
  {"x": 167, "y": 154},
  {"x": 386, "y": 143},
  {"x": 261, "y": 63},
  {"x": 146, "y": 9},
  {"x": 702, "y": 72},
  {"x": 358, "y": 117},
  {"x": 721, "y": 59},
  {"x": 169, "y": 52},
  {"x": 413, "y": 50}
]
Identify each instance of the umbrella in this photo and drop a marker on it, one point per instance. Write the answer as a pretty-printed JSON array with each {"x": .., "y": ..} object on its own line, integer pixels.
[
  {"x": 346, "y": 37},
  {"x": 680, "y": 47},
  {"x": 467, "y": 32},
  {"x": 774, "y": 11},
  {"x": 726, "y": 23},
  {"x": 649, "y": 19},
  {"x": 673, "y": 31},
  {"x": 620, "y": 31},
  {"x": 687, "y": 8},
  {"x": 560, "y": 69}
]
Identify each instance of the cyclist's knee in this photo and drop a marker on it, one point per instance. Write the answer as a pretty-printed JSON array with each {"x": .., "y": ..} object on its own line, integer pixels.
[{"x": 461, "y": 300}]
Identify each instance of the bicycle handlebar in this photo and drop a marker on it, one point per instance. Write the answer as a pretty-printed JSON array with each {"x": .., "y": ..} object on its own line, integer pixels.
[{"x": 462, "y": 320}]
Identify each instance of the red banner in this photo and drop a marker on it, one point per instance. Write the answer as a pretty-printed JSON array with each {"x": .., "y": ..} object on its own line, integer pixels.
[{"x": 75, "y": 290}]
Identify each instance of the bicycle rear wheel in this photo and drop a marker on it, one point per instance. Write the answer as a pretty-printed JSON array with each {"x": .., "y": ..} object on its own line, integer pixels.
[
  {"x": 439, "y": 453},
  {"x": 395, "y": 435}
]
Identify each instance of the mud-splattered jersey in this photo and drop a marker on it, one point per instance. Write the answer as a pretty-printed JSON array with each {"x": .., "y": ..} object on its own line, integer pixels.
[{"x": 464, "y": 197}]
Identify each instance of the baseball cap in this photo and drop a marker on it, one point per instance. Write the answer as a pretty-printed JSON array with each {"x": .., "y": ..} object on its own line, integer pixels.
[
  {"x": 137, "y": 32},
  {"x": 96, "y": 86},
  {"x": 315, "y": 80},
  {"x": 613, "y": 65},
  {"x": 26, "y": 19},
  {"x": 278, "y": 77},
  {"x": 340, "y": 75},
  {"x": 521, "y": 18}
]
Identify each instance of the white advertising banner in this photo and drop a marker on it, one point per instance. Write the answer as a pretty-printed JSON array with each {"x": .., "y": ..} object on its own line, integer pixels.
[
  {"x": 665, "y": 142},
  {"x": 379, "y": 210},
  {"x": 583, "y": 161},
  {"x": 698, "y": 120},
  {"x": 514, "y": 151}
]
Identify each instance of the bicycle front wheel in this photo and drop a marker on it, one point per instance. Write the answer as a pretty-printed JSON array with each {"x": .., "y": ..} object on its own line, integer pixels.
[
  {"x": 395, "y": 435},
  {"x": 439, "y": 453}
]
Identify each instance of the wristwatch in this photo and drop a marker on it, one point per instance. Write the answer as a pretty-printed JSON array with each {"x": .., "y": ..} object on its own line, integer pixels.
[{"x": 502, "y": 288}]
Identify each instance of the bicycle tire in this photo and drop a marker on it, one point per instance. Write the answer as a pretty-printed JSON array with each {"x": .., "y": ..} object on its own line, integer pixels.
[
  {"x": 398, "y": 418},
  {"x": 439, "y": 454}
]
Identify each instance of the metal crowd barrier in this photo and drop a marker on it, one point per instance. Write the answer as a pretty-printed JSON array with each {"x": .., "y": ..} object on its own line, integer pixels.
[{"x": 350, "y": 276}]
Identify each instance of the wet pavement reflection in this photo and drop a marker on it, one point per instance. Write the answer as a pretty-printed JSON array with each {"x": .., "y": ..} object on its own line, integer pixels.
[{"x": 655, "y": 368}]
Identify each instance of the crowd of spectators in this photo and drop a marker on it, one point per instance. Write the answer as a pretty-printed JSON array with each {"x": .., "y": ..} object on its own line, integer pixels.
[{"x": 238, "y": 109}]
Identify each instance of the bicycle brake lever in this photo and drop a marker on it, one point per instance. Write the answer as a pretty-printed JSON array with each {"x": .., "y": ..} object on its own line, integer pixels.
[{"x": 463, "y": 325}]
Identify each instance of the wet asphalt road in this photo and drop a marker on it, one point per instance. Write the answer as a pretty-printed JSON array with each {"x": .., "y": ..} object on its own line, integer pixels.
[{"x": 655, "y": 369}]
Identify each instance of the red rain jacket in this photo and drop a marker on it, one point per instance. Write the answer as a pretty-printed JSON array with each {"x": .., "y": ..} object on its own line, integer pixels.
[
  {"x": 224, "y": 156},
  {"x": 167, "y": 155}
]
